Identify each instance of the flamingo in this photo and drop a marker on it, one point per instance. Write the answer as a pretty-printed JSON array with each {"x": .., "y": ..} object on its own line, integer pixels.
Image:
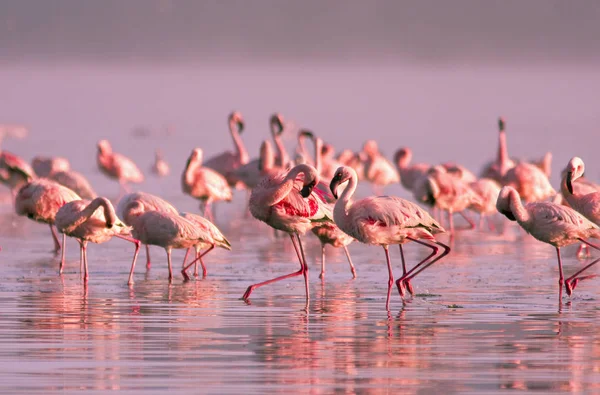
[
  {"x": 252, "y": 172},
  {"x": 550, "y": 223},
  {"x": 14, "y": 171},
  {"x": 276, "y": 123},
  {"x": 44, "y": 166},
  {"x": 487, "y": 190},
  {"x": 448, "y": 193},
  {"x": 227, "y": 162},
  {"x": 329, "y": 233},
  {"x": 301, "y": 150},
  {"x": 117, "y": 166},
  {"x": 283, "y": 204},
  {"x": 587, "y": 204},
  {"x": 160, "y": 167},
  {"x": 40, "y": 200},
  {"x": 163, "y": 229},
  {"x": 203, "y": 183},
  {"x": 530, "y": 182},
  {"x": 385, "y": 220},
  {"x": 81, "y": 220},
  {"x": 410, "y": 174},
  {"x": 498, "y": 168},
  {"x": 378, "y": 170},
  {"x": 74, "y": 181},
  {"x": 349, "y": 158},
  {"x": 211, "y": 238}
]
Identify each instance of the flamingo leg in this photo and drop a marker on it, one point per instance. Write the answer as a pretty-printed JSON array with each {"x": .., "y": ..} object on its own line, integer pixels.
[
  {"x": 399, "y": 284},
  {"x": 402, "y": 280},
  {"x": 451, "y": 221},
  {"x": 80, "y": 257},
  {"x": 418, "y": 269},
  {"x": 198, "y": 258},
  {"x": 391, "y": 277},
  {"x": 55, "y": 238},
  {"x": 322, "y": 275},
  {"x": 481, "y": 220},
  {"x": 571, "y": 282},
  {"x": 305, "y": 268},
  {"x": 298, "y": 273},
  {"x": 62, "y": 256},
  {"x": 147, "y": 256},
  {"x": 86, "y": 274},
  {"x": 468, "y": 219},
  {"x": 187, "y": 252},
  {"x": 169, "y": 263},
  {"x": 491, "y": 226},
  {"x": 352, "y": 269},
  {"x": 138, "y": 244}
]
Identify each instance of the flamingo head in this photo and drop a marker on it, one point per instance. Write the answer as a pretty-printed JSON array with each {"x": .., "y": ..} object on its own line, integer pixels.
[
  {"x": 575, "y": 169},
  {"x": 327, "y": 150},
  {"x": 276, "y": 123},
  {"x": 342, "y": 174},
  {"x": 236, "y": 118},
  {"x": 195, "y": 156},
  {"x": 370, "y": 147},
  {"x": 503, "y": 202},
  {"x": 311, "y": 179},
  {"x": 403, "y": 156},
  {"x": 104, "y": 147},
  {"x": 305, "y": 133},
  {"x": 501, "y": 124}
]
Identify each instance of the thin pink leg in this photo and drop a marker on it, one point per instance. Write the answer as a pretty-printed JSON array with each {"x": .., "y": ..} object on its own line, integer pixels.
[
  {"x": 138, "y": 244},
  {"x": 298, "y": 273},
  {"x": 561, "y": 278},
  {"x": 481, "y": 220},
  {"x": 55, "y": 238},
  {"x": 322, "y": 275},
  {"x": 169, "y": 263},
  {"x": 572, "y": 281},
  {"x": 352, "y": 269},
  {"x": 305, "y": 268},
  {"x": 187, "y": 252},
  {"x": 469, "y": 220},
  {"x": 148, "y": 264},
  {"x": 62, "y": 255},
  {"x": 198, "y": 258},
  {"x": 451, "y": 222},
  {"x": 414, "y": 272},
  {"x": 390, "y": 278},
  {"x": 491, "y": 226},
  {"x": 401, "y": 281},
  {"x": 86, "y": 274}
]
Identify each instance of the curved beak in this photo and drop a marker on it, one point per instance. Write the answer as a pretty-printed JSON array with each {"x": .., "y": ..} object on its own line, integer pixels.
[
  {"x": 333, "y": 187},
  {"x": 569, "y": 182},
  {"x": 308, "y": 188}
]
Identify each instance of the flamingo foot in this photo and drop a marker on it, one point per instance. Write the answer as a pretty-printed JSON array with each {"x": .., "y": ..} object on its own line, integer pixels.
[
  {"x": 185, "y": 276},
  {"x": 322, "y": 275},
  {"x": 148, "y": 265},
  {"x": 353, "y": 273},
  {"x": 400, "y": 286},
  {"x": 248, "y": 292},
  {"x": 409, "y": 287}
]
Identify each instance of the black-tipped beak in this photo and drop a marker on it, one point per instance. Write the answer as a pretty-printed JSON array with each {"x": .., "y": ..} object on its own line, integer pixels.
[
  {"x": 240, "y": 125},
  {"x": 509, "y": 215},
  {"x": 501, "y": 124},
  {"x": 307, "y": 189},
  {"x": 333, "y": 187},
  {"x": 569, "y": 182}
]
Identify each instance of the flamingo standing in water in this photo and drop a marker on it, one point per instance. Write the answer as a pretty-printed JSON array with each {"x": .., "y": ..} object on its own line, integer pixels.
[
  {"x": 487, "y": 190},
  {"x": 550, "y": 223},
  {"x": 385, "y": 220},
  {"x": 40, "y": 200},
  {"x": 530, "y": 181},
  {"x": 498, "y": 168},
  {"x": 410, "y": 174},
  {"x": 252, "y": 172},
  {"x": 283, "y": 204},
  {"x": 135, "y": 203},
  {"x": 82, "y": 220},
  {"x": 581, "y": 200},
  {"x": 378, "y": 170},
  {"x": 211, "y": 238},
  {"x": 117, "y": 166},
  {"x": 203, "y": 183},
  {"x": 227, "y": 162},
  {"x": 160, "y": 167}
]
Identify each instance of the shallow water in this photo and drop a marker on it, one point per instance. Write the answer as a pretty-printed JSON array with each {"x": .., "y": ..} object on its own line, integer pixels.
[{"x": 485, "y": 319}]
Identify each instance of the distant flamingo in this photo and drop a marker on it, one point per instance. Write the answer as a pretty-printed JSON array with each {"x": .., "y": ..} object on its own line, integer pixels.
[
  {"x": 353, "y": 160},
  {"x": 14, "y": 171},
  {"x": 587, "y": 204},
  {"x": 329, "y": 233},
  {"x": 136, "y": 203},
  {"x": 81, "y": 220},
  {"x": 160, "y": 167},
  {"x": 227, "y": 162},
  {"x": 301, "y": 147},
  {"x": 487, "y": 190},
  {"x": 44, "y": 166},
  {"x": 284, "y": 204},
  {"x": 252, "y": 172},
  {"x": 385, "y": 220},
  {"x": 409, "y": 173},
  {"x": 117, "y": 166},
  {"x": 276, "y": 123},
  {"x": 446, "y": 192},
  {"x": 203, "y": 183},
  {"x": 162, "y": 229},
  {"x": 550, "y": 223},
  {"x": 74, "y": 181},
  {"x": 40, "y": 200},
  {"x": 498, "y": 168},
  {"x": 211, "y": 238},
  {"x": 530, "y": 182},
  {"x": 460, "y": 172},
  {"x": 378, "y": 170},
  {"x": 322, "y": 187}
]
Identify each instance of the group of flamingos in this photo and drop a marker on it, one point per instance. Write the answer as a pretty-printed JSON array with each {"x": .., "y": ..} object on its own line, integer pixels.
[{"x": 309, "y": 192}]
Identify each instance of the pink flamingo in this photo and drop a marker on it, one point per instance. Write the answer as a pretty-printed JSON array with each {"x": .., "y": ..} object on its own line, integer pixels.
[
  {"x": 329, "y": 233},
  {"x": 74, "y": 181},
  {"x": 487, "y": 190},
  {"x": 530, "y": 182},
  {"x": 550, "y": 223},
  {"x": 585, "y": 202},
  {"x": 378, "y": 170},
  {"x": 160, "y": 167},
  {"x": 385, "y": 220},
  {"x": 227, "y": 162},
  {"x": 409, "y": 173},
  {"x": 44, "y": 166},
  {"x": 40, "y": 200},
  {"x": 498, "y": 168},
  {"x": 349, "y": 158},
  {"x": 14, "y": 171},
  {"x": 283, "y": 204},
  {"x": 163, "y": 229},
  {"x": 211, "y": 238},
  {"x": 203, "y": 183},
  {"x": 446, "y": 192},
  {"x": 276, "y": 123},
  {"x": 301, "y": 150},
  {"x": 81, "y": 220},
  {"x": 135, "y": 203},
  {"x": 117, "y": 166},
  {"x": 252, "y": 172}
]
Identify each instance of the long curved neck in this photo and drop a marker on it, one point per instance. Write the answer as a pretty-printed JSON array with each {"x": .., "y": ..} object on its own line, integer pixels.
[
  {"x": 109, "y": 212},
  {"x": 517, "y": 208},
  {"x": 240, "y": 149},
  {"x": 284, "y": 158},
  {"x": 190, "y": 169},
  {"x": 340, "y": 210},
  {"x": 503, "y": 158},
  {"x": 267, "y": 161},
  {"x": 302, "y": 146},
  {"x": 279, "y": 192},
  {"x": 571, "y": 198},
  {"x": 318, "y": 155}
]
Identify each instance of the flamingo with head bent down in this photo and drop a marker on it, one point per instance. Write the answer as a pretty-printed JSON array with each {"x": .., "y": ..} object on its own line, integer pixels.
[{"x": 385, "y": 220}]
